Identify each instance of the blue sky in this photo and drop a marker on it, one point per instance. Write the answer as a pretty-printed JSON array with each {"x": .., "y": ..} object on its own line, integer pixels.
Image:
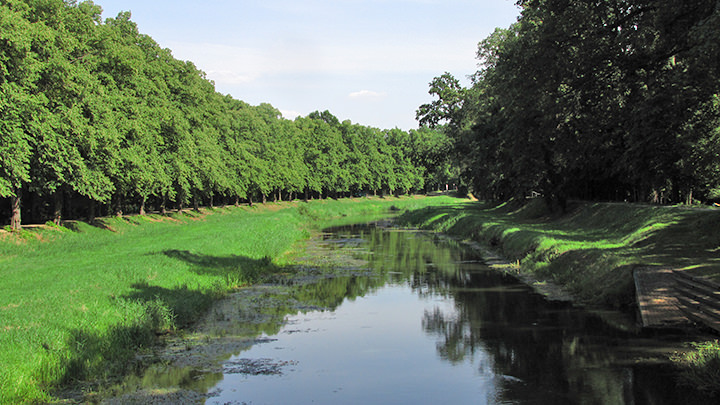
[{"x": 369, "y": 61}]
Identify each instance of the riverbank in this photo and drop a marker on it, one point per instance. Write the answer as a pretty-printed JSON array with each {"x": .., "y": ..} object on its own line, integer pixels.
[
  {"x": 207, "y": 361},
  {"x": 79, "y": 304},
  {"x": 85, "y": 304},
  {"x": 592, "y": 249}
]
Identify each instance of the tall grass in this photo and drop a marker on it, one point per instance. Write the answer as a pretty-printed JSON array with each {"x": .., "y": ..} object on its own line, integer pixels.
[{"x": 77, "y": 303}]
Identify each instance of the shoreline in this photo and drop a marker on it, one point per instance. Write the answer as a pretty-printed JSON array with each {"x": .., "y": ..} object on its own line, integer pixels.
[{"x": 223, "y": 331}]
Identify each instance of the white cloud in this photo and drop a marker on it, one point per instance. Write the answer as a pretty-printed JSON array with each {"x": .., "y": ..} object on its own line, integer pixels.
[
  {"x": 289, "y": 114},
  {"x": 366, "y": 94},
  {"x": 227, "y": 64},
  {"x": 229, "y": 77}
]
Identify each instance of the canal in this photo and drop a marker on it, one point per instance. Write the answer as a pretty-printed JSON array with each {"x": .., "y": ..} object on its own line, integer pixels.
[{"x": 420, "y": 319}]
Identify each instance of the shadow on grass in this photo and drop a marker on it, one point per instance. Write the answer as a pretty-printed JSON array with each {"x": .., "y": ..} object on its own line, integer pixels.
[
  {"x": 98, "y": 357},
  {"x": 177, "y": 307},
  {"x": 587, "y": 244},
  {"x": 232, "y": 269},
  {"x": 109, "y": 354},
  {"x": 430, "y": 217},
  {"x": 103, "y": 355}
]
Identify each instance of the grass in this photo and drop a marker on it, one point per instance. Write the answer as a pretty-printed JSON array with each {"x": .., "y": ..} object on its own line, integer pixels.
[
  {"x": 78, "y": 302},
  {"x": 701, "y": 367},
  {"x": 593, "y": 248}
]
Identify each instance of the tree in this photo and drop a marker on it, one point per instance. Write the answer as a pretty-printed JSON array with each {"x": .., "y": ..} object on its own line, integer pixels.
[
  {"x": 585, "y": 99},
  {"x": 451, "y": 96},
  {"x": 15, "y": 144},
  {"x": 95, "y": 115}
]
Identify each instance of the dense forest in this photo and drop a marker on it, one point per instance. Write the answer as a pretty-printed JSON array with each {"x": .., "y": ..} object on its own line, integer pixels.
[
  {"x": 97, "y": 119},
  {"x": 598, "y": 100}
]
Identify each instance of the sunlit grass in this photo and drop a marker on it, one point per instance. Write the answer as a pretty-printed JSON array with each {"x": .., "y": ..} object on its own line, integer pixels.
[
  {"x": 593, "y": 248},
  {"x": 78, "y": 304},
  {"x": 701, "y": 366}
]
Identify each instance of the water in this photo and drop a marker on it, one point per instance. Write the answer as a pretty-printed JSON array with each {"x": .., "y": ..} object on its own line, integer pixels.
[{"x": 432, "y": 324}]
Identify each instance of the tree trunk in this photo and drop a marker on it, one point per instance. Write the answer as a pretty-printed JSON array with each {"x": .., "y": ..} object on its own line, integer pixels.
[
  {"x": 58, "y": 200},
  {"x": 91, "y": 211},
  {"x": 250, "y": 200},
  {"x": 264, "y": 198},
  {"x": 142, "y": 206},
  {"x": 70, "y": 207},
  {"x": 15, "y": 219},
  {"x": 162, "y": 204},
  {"x": 117, "y": 206},
  {"x": 237, "y": 201},
  {"x": 212, "y": 201}
]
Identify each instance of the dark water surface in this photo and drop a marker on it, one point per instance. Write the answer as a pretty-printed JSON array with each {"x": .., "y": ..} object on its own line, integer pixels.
[{"x": 434, "y": 325}]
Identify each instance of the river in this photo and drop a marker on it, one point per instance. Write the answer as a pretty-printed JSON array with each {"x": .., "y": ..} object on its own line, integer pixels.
[
  {"x": 412, "y": 318},
  {"x": 432, "y": 324}
]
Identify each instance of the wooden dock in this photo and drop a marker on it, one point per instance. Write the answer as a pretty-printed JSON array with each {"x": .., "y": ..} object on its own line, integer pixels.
[
  {"x": 670, "y": 298},
  {"x": 656, "y": 298}
]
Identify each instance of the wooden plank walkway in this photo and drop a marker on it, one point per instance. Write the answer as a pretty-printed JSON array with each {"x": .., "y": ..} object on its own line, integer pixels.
[
  {"x": 656, "y": 297},
  {"x": 699, "y": 299}
]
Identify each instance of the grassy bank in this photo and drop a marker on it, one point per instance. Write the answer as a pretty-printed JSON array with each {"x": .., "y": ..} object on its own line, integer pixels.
[
  {"x": 593, "y": 248},
  {"x": 78, "y": 302}
]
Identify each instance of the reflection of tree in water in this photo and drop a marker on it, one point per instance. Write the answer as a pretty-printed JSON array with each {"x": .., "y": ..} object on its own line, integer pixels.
[
  {"x": 541, "y": 351},
  {"x": 557, "y": 352},
  {"x": 522, "y": 339},
  {"x": 330, "y": 293}
]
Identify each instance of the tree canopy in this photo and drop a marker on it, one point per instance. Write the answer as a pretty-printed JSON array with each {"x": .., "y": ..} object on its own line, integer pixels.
[
  {"x": 613, "y": 100},
  {"x": 97, "y": 119}
]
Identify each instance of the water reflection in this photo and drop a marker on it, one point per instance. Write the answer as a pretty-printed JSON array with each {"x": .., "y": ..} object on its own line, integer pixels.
[{"x": 492, "y": 339}]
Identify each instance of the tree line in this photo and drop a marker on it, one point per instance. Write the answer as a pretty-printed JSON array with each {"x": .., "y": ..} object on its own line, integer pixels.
[
  {"x": 96, "y": 119},
  {"x": 597, "y": 100}
]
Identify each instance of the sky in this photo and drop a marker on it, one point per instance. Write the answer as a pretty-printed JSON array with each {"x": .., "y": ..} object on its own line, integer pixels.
[{"x": 367, "y": 61}]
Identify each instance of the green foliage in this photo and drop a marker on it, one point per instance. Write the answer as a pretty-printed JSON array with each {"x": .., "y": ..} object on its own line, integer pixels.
[
  {"x": 97, "y": 119},
  {"x": 451, "y": 96},
  {"x": 701, "y": 366},
  {"x": 608, "y": 100}
]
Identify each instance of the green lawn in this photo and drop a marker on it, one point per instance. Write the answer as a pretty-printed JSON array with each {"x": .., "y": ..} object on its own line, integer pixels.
[{"x": 77, "y": 304}]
